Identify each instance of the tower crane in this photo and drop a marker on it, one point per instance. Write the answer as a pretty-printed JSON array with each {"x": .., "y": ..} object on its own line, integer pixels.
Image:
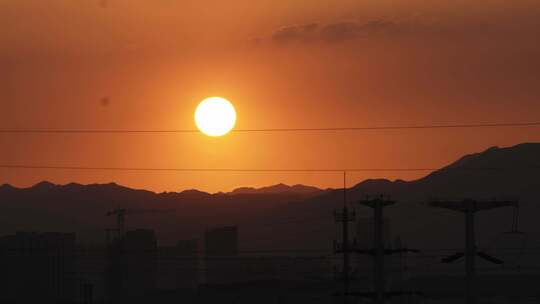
[{"x": 121, "y": 213}]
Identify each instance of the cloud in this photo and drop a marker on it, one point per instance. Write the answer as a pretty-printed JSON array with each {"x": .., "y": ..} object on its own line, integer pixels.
[
  {"x": 295, "y": 32},
  {"x": 341, "y": 30},
  {"x": 334, "y": 32}
]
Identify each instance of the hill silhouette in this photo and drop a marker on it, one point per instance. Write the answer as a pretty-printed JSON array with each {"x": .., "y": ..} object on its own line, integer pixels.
[
  {"x": 279, "y": 188},
  {"x": 298, "y": 216},
  {"x": 496, "y": 173}
]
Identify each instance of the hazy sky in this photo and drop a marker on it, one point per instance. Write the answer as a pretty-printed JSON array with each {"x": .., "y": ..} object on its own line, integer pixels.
[{"x": 145, "y": 64}]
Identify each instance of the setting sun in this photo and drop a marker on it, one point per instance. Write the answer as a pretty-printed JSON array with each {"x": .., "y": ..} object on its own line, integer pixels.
[{"x": 215, "y": 116}]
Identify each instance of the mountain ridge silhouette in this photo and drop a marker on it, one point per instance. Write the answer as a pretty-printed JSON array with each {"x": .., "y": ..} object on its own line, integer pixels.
[{"x": 285, "y": 218}]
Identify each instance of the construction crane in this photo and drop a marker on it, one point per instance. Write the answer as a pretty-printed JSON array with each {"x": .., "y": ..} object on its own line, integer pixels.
[{"x": 121, "y": 216}]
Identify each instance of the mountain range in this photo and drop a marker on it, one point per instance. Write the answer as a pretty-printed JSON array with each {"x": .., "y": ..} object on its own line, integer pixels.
[{"x": 297, "y": 216}]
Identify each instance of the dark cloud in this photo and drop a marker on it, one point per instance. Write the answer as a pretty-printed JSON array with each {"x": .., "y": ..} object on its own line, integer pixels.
[
  {"x": 340, "y": 30},
  {"x": 381, "y": 26},
  {"x": 295, "y": 32},
  {"x": 336, "y": 31}
]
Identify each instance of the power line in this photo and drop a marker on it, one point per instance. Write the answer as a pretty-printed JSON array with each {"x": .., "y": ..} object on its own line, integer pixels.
[
  {"x": 166, "y": 169},
  {"x": 314, "y": 129},
  {"x": 307, "y": 170}
]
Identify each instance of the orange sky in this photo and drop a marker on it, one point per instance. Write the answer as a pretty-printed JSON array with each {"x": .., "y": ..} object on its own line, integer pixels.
[{"x": 283, "y": 64}]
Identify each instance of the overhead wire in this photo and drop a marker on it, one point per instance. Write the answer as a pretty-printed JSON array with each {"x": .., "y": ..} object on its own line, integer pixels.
[
  {"x": 289, "y": 129},
  {"x": 239, "y": 170}
]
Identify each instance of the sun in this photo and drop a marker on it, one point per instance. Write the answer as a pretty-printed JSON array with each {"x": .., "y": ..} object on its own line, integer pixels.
[{"x": 215, "y": 116}]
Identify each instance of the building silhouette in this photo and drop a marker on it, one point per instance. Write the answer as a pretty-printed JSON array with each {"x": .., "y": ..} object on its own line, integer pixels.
[
  {"x": 179, "y": 266},
  {"x": 38, "y": 267},
  {"x": 131, "y": 265},
  {"x": 221, "y": 255}
]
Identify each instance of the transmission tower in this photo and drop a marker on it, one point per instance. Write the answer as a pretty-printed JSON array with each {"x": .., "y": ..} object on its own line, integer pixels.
[
  {"x": 469, "y": 207},
  {"x": 378, "y": 252},
  {"x": 344, "y": 217}
]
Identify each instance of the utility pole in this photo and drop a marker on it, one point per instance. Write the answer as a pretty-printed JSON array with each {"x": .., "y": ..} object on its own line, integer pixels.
[
  {"x": 515, "y": 221},
  {"x": 469, "y": 207},
  {"x": 378, "y": 252},
  {"x": 470, "y": 252},
  {"x": 377, "y": 205},
  {"x": 344, "y": 217}
]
